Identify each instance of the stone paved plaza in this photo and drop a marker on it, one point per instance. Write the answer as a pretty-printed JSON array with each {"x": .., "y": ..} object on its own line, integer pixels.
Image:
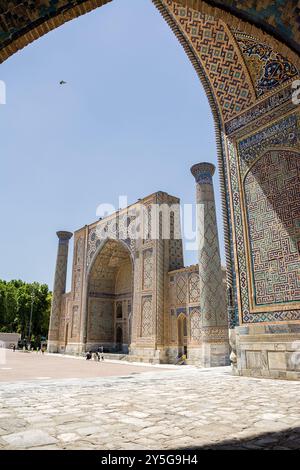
[{"x": 142, "y": 407}]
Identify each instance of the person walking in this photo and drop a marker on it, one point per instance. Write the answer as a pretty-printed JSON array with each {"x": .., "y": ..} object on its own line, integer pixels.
[
  {"x": 88, "y": 355},
  {"x": 100, "y": 351}
]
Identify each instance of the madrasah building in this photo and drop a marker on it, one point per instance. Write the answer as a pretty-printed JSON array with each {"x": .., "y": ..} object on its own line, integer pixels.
[{"x": 130, "y": 290}]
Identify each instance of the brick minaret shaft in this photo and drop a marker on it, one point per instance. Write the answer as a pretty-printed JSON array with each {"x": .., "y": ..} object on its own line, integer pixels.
[
  {"x": 214, "y": 325},
  {"x": 59, "y": 288}
]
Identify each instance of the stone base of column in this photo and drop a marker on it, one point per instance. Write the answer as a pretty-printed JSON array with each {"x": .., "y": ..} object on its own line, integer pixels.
[
  {"x": 149, "y": 355},
  {"x": 75, "y": 349},
  {"x": 210, "y": 355},
  {"x": 233, "y": 357},
  {"x": 171, "y": 355},
  {"x": 53, "y": 347},
  {"x": 271, "y": 350}
]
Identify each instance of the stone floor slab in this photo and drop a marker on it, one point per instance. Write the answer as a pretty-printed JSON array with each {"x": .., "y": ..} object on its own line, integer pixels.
[{"x": 27, "y": 439}]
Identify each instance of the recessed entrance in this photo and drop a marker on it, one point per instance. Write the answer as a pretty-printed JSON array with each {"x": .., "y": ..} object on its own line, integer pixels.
[
  {"x": 110, "y": 299},
  {"x": 182, "y": 335}
]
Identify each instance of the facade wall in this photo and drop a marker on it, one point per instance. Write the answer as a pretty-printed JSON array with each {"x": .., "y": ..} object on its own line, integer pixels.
[
  {"x": 9, "y": 339},
  {"x": 271, "y": 351},
  {"x": 184, "y": 300},
  {"x": 137, "y": 276}
]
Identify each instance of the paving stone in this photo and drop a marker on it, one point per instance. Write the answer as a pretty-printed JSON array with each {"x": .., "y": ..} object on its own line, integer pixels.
[
  {"x": 141, "y": 423},
  {"x": 268, "y": 425},
  {"x": 28, "y": 439},
  {"x": 138, "y": 414},
  {"x": 68, "y": 437},
  {"x": 273, "y": 416},
  {"x": 89, "y": 430}
]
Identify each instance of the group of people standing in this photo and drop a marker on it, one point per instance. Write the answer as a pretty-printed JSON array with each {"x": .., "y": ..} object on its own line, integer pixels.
[
  {"x": 30, "y": 349},
  {"x": 98, "y": 355}
]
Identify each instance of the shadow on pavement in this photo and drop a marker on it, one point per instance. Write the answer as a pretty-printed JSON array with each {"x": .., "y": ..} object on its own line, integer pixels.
[{"x": 289, "y": 439}]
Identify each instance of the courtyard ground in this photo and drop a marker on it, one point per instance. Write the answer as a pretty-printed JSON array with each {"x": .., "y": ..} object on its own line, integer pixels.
[{"x": 50, "y": 402}]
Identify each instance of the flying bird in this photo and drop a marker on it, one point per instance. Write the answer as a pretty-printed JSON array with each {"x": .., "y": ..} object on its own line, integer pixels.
[{"x": 62, "y": 82}]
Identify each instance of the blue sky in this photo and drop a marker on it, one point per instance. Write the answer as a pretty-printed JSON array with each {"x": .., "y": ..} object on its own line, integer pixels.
[{"x": 131, "y": 120}]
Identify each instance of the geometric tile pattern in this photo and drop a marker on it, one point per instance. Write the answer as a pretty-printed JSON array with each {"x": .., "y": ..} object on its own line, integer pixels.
[
  {"x": 216, "y": 49},
  {"x": 59, "y": 283},
  {"x": 148, "y": 269},
  {"x": 100, "y": 325},
  {"x": 195, "y": 325},
  {"x": 185, "y": 306},
  {"x": 147, "y": 323},
  {"x": 263, "y": 112},
  {"x": 175, "y": 254},
  {"x": 181, "y": 289},
  {"x": 238, "y": 228},
  {"x": 147, "y": 222},
  {"x": 173, "y": 327},
  {"x": 212, "y": 301},
  {"x": 194, "y": 289},
  {"x": 115, "y": 228},
  {"x": 75, "y": 321},
  {"x": 79, "y": 251},
  {"x": 272, "y": 190},
  {"x": 278, "y": 316},
  {"x": 277, "y": 135},
  {"x": 285, "y": 132},
  {"x": 175, "y": 243},
  {"x": 77, "y": 285}
]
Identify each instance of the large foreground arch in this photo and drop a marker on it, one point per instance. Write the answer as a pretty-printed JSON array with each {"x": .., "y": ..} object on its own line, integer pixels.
[
  {"x": 22, "y": 22},
  {"x": 246, "y": 55}
]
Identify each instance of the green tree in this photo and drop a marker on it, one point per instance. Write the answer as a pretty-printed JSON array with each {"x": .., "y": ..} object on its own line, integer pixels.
[
  {"x": 2, "y": 304},
  {"x": 18, "y": 300},
  {"x": 11, "y": 311}
]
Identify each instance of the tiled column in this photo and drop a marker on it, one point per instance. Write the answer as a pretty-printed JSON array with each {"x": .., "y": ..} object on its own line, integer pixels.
[
  {"x": 59, "y": 289},
  {"x": 214, "y": 325}
]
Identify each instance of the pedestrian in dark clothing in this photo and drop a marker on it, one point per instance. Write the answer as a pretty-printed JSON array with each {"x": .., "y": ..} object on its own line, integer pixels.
[{"x": 88, "y": 355}]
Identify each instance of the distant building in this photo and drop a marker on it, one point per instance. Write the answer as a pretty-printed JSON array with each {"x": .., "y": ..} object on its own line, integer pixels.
[
  {"x": 8, "y": 340},
  {"x": 130, "y": 290}
]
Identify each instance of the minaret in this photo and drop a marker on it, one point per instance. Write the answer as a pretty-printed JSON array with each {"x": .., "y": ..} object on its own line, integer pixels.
[
  {"x": 59, "y": 289},
  {"x": 214, "y": 325}
]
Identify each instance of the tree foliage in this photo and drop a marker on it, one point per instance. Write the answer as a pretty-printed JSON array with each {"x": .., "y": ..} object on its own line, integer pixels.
[{"x": 17, "y": 300}]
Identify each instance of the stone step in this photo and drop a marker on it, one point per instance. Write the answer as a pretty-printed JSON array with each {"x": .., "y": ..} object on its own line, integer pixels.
[
  {"x": 127, "y": 358},
  {"x": 116, "y": 356}
]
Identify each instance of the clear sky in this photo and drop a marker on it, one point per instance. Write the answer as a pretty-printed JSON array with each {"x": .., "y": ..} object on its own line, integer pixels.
[{"x": 131, "y": 120}]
